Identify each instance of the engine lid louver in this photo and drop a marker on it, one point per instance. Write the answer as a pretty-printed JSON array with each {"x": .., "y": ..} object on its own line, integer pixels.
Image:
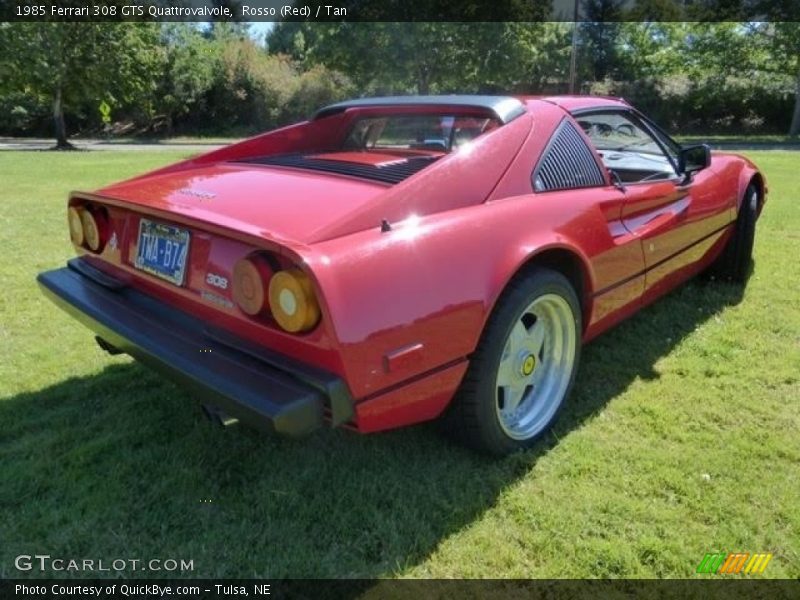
[
  {"x": 394, "y": 172},
  {"x": 568, "y": 163}
]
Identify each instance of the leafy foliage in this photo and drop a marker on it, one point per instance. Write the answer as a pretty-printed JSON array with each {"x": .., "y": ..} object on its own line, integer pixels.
[
  {"x": 75, "y": 64},
  {"x": 179, "y": 77},
  {"x": 188, "y": 72},
  {"x": 393, "y": 58}
]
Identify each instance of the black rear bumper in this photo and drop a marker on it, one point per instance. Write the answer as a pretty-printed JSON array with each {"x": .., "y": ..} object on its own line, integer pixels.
[{"x": 261, "y": 388}]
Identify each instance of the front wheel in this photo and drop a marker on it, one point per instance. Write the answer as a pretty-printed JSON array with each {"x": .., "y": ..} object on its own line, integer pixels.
[
  {"x": 524, "y": 366},
  {"x": 736, "y": 259}
]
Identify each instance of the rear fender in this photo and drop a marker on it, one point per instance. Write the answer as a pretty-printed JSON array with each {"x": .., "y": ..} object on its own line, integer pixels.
[
  {"x": 559, "y": 254},
  {"x": 415, "y": 299}
]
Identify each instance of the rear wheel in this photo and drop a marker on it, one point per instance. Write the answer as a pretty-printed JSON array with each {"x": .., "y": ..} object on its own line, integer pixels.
[
  {"x": 523, "y": 368},
  {"x": 735, "y": 261}
]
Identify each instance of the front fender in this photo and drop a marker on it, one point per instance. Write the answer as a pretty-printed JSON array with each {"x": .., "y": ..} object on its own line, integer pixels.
[{"x": 736, "y": 172}]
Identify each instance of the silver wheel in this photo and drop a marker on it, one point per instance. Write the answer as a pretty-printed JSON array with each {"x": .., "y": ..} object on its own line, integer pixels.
[
  {"x": 523, "y": 367},
  {"x": 535, "y": 367}
]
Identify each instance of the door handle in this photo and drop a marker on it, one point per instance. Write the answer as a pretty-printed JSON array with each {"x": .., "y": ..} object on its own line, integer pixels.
[{"x": 663, "y": 217}]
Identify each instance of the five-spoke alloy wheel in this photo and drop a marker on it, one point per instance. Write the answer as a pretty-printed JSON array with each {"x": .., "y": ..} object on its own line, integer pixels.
[
  {"x": 536, "y": 366},
  {"x": 524, "y": 365}
]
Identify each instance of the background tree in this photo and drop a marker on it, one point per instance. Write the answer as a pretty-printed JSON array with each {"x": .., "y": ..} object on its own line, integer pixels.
[
  {"x": 515, "y": 57},
  {"x": 74, "y": 62},
  {"x": 698, "y": 77},
  {"x": 781, "y": 58},
  {"x": 431, "y": 57},
  {"x": 188, "y": 73},
  {"x": 385, "y": 57},
  {"x": 599, "y": 36},
  {"x": 749, "y": 63}
]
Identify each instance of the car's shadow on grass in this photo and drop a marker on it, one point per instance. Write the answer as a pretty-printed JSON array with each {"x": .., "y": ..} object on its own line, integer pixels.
[{"x": 123, "y": 465}]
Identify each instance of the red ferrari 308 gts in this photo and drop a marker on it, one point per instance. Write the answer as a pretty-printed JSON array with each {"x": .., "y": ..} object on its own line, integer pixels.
[{"x": 393, "y": 260}]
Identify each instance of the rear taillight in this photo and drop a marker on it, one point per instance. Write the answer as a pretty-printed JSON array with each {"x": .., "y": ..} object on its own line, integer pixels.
[
  {"x": 94, "y": 229},
  {"x": 292, "y": 300},
  {"x": 251, "y": 277},
  {"x": 261, "y": 288},
  {"x": 75, "y": 225},
  {"x": 88, "y": 226}
]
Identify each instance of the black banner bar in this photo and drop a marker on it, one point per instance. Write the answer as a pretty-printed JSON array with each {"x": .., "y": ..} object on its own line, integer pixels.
[
  {"x": 703, "y": 587},
  {"x": 399, "y": 10}
]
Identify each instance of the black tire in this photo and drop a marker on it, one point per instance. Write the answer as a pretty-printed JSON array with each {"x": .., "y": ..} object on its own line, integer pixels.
[
  {"x": 736, "y": 259},
  {"x": 473, "y": 417}
]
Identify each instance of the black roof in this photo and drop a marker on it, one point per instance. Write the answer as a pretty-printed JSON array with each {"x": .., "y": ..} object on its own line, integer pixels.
[{"x": 505, "y": 108}]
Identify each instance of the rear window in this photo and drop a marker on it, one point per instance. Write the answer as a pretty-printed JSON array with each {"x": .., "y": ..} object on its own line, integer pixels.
[{"x": 440, "y": 133}]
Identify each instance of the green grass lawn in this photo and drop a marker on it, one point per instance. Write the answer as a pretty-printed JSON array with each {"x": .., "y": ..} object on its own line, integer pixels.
[
  {"x": 681, "y": 438},
  {"x": 744, "y": 139}
]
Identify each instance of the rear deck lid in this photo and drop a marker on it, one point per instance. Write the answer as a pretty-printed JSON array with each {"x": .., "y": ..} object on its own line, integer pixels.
[{"x": 262, "y": 200}]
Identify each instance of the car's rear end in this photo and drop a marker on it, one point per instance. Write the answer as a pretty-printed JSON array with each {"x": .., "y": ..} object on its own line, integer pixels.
[{"x": 231, "y": 314}]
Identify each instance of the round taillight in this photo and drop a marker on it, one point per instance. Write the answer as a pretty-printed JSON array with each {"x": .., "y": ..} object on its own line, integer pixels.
[
  {"x": 292, "y": 300},
  {"x": 75, "y": 225},
  {"x": 94, "y": 229},
  {"x": 250, "y": 279}
]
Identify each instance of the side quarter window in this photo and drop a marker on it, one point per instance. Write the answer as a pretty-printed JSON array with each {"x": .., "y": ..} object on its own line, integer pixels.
[{"x": 566, "y": 163}]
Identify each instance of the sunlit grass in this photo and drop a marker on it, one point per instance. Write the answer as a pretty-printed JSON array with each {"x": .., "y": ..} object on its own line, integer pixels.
[{"x": 681, "y": 438}]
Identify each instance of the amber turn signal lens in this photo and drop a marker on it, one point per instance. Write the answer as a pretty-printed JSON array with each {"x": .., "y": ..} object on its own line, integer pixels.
[
  {"x": 250, "y": 277},
  {"x": 75, "y": 225},
  {"x": 292, "y": 300}
]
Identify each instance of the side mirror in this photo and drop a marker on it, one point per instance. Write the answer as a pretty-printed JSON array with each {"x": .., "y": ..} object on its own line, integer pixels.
[{"x": 694, "y": 158}]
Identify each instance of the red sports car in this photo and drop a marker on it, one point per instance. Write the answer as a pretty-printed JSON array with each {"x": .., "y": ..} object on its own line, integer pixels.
[{"x": 394, "y": 260}]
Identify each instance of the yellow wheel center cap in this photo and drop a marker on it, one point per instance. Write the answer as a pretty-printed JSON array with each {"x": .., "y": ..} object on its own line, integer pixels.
[{"x": 528, "y": 365}]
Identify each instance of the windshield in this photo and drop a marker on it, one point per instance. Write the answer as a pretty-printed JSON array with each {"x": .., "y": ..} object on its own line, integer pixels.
[{"x": 438, "y": 133}]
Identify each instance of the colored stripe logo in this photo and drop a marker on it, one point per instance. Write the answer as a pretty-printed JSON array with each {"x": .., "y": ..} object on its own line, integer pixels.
[{"x": 734, "y": 563}]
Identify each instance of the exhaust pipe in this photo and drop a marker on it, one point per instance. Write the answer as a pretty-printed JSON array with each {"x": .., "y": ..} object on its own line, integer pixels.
[
  {"x": 212, "y": 413},
  {"x": 111, "y": 349},
  {"x": 218, "y": 416}
]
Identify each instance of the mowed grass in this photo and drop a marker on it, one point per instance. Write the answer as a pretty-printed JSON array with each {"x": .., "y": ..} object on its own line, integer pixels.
[{"x": 681, "y": 438}]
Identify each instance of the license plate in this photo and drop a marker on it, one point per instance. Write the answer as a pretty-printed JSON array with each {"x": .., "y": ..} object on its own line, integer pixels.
[{"x": 162, "y": 250}]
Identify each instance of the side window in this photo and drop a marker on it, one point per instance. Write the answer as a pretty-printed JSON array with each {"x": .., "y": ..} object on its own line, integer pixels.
[
  {"x": 671, "y": 146},
  {"x": 626, "y": 147},
  {"x": 567, "y": 163}
]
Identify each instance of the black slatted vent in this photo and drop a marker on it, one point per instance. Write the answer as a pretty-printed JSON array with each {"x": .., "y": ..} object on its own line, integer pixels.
[
  {"x": 394, "y": 172},
  {"x": 568, "y": 163}
]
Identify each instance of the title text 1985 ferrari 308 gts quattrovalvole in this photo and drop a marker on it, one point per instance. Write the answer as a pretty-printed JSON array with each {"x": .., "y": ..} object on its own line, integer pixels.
[{"x": 393, "y": 260}]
